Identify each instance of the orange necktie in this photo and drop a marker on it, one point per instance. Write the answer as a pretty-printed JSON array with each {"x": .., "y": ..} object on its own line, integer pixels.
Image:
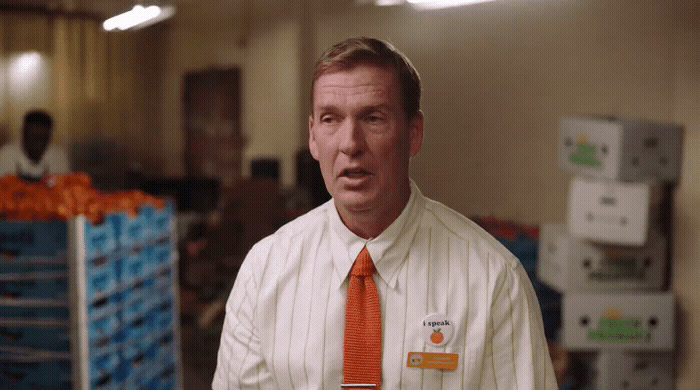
[{"x": 362, "y": 353}]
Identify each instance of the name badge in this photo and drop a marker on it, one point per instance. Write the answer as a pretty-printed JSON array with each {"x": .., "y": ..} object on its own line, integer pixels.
[{"x": 440, "y": 360}]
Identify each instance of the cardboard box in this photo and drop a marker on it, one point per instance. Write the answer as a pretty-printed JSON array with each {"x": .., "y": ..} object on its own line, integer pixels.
[
  {"x": 620, "y": 149},
  {"x": 609, "y": 212},
  {"x": 623, "y": 370},
  {"x": 624, "y": 321},
  {"x": 569, "y": 264}
]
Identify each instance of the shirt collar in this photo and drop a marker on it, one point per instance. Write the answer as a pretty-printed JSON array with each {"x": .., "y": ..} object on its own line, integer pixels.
[{"x": 388, "y": 250}]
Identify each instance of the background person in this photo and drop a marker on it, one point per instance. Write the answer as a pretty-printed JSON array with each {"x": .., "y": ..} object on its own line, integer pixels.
[{"x": 34, "y": 155}]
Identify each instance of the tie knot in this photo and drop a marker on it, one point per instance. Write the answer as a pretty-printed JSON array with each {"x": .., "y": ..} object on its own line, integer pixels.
[{"x": 363, "y": 266}]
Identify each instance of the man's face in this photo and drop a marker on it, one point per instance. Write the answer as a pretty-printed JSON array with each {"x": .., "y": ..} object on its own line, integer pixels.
[
  {"x": 362, "y": 139},
  {"x": 35, "y": 139}
]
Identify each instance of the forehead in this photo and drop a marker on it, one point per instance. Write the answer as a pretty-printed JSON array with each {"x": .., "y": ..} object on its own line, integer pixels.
[{"x": 361, "y": 82}]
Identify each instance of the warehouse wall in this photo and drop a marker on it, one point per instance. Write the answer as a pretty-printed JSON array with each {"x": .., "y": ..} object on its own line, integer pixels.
[
  {"x": 686, "y": 259},
  {"x": 265, "y": 44},
  {"x": 497, "y": 77},
  {"x": 271, "y": 95},
  {"x": 193, "y": 43}
]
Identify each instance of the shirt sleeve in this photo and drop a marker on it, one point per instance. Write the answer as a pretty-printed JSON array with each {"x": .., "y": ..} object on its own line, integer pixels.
[
  {"x": 518, "y": 357},
  {"x": 240, "y": 363},
  {"x": 58, "y": 160}
]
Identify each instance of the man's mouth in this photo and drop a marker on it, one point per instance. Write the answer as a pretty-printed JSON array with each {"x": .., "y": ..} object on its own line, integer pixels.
[{"x": 354, "y": 173}]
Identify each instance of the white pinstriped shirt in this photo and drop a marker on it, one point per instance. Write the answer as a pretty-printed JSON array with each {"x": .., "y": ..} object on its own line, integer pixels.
[{"x": 286, "y": 313}]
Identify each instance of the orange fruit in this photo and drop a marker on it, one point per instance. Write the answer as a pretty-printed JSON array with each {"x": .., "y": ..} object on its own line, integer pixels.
[{"x": 436, "y": 337}]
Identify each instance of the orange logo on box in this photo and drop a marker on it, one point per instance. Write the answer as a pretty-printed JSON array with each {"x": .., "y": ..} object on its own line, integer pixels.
[{"x": 445, "y": 361}]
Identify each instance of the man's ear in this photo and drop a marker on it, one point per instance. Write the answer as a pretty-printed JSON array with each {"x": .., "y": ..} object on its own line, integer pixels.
[
  {"x": 313, "y": 148},
  {"x": 416, "y": 133}
]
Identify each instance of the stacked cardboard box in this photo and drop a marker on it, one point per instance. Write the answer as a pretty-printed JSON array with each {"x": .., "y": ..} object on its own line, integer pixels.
[{"x": 611, "y": 256}]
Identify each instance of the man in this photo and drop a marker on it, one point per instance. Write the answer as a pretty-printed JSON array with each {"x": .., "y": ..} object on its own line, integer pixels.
[
  {"x": 455, "y": 309},
  {"x": 35, "y": 156}
]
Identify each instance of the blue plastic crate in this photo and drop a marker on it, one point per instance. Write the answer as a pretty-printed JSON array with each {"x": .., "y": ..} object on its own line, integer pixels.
[
  {"x": 163, "y": 349},
  {"x": 165, "y": 315},
  {"x": 22, "y": 265},
  {"x": 45, "y": 335},
  {"x": 132, "y": 233},
  {"x": 102, "y": 276},
  {"x": 33, "y": 239},
  {"x": 37, "y": 285},
  {"x": 33, "y": 375},
  {"x": 103, "y": 363},
  {"x": 161, "y": 223},
  {"x": 135, "y": 308},
  {"x": 136, "y": 329},
  {"x": 159, "y": 256},
  {"x": 105, "y": 382},
  {"x": 100, "y": 239},
  {"x": 525, "y": 249},
  {"x": 134, "y": 351},
  {"x": 103, "y": 327},
  {"x": 106, "y": 305},
  {"x": 166, "y": 378},
  {"x": 35, "y": 312},
  {"x": 135, "y": 266}
]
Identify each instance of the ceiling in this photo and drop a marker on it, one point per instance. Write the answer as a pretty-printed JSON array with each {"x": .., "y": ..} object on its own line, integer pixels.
[
  {"x": 100, "y": 7},
  {"x": 211, "y": 10},
  {"x": 189, "y": 12},
  {"x": 111, "y": 7}
]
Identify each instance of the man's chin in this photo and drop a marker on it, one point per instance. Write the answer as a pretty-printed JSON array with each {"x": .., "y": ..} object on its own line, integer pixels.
[{"x": 353, "y": 202}]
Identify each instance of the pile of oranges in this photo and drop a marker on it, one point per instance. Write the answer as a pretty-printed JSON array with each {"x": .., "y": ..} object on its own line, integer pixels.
[{"x": 58, "y": 197}]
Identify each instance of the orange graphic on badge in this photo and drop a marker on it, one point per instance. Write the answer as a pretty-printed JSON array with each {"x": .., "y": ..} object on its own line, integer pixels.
[
  {"x": 436, "y": 337},
  {"x": 415, "y": 359}
]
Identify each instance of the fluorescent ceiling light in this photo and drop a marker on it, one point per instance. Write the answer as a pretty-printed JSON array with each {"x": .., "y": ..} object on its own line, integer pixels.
[
  {"x": 436, "y": 4},
  {"x": 138, "y": 17}
]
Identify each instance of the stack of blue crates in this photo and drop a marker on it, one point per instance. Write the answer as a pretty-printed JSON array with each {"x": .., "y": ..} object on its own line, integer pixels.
[
  {"x": 122, "y": 280},
  {"x": 131, "y": 306},
  {"x": 34, "y": 306}
]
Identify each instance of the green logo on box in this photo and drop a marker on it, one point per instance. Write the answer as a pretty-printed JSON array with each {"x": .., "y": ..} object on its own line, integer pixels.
[
  {"x": 585, "y": 155},
  {"x": 626, "y": 330},
  {"x": 618, "y": 268}
]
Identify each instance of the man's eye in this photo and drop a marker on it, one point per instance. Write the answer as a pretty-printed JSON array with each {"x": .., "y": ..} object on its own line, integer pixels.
[
  {"x": 375, "y": 118},
  {"x": 328, "y": 119}
]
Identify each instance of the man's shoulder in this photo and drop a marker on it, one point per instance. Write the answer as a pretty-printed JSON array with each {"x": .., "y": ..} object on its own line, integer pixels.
[{"x": 453, "y": 223}]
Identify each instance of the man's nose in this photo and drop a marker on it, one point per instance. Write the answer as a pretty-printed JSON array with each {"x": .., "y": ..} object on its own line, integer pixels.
[{"x": 351, "y": 137}]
